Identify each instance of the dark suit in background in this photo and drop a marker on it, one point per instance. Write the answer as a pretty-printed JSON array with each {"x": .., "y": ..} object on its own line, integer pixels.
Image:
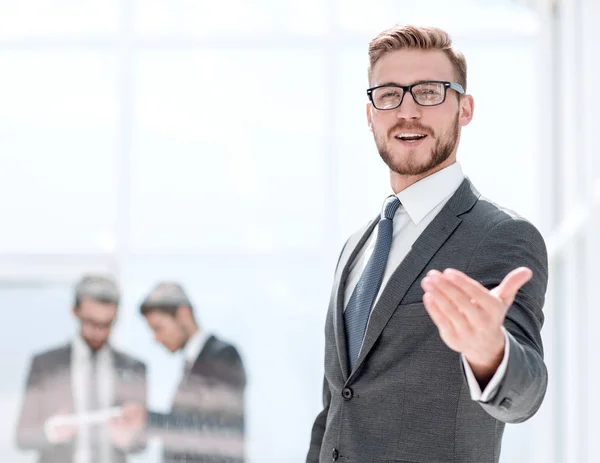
[{"x": 206, "y": 423}]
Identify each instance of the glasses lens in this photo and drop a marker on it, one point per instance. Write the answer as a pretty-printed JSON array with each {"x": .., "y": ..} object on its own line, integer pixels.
[
  {"x": 387, "y": 97},
  {"x": 430, "y": 93}
]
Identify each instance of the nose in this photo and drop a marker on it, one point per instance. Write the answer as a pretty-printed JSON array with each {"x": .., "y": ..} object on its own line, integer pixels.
[{"x": 409, "y": 109}]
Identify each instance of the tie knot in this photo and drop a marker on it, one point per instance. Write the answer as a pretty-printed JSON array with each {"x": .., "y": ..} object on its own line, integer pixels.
[{"x": 391, "y": 205}]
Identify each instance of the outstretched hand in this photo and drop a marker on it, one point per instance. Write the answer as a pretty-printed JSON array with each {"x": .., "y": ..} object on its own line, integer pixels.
[{"x": 469, "y": 317}]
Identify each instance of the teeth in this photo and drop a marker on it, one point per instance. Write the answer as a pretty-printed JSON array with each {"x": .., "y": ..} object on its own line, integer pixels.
[{"x": 405, "y": 135}]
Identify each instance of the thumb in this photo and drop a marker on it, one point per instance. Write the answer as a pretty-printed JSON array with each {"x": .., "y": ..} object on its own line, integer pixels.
[{"x": 507, "y": 290}]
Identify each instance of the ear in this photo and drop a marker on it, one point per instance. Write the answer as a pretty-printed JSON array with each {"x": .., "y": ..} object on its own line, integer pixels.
[
  {"x": 467, "y": 107},
  {"x": 369, "y": 116},
  {"x": 184, "y": 313},
  {"x": 75, "y": 311}
]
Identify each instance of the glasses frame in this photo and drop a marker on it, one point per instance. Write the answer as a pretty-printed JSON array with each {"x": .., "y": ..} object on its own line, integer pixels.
[
  {"x": 97, "y": 326},
  {"x": 409, "y": 88}
]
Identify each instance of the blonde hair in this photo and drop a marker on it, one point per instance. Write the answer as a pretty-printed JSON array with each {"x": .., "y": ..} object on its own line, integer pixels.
[{"x": 420, "y": 38}]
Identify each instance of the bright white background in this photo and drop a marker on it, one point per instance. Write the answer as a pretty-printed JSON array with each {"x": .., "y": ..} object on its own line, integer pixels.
[{"x": 225, "y": 146}]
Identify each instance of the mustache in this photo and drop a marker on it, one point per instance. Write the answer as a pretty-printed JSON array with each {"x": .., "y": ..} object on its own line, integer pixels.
[{"x": 407, "y": 127}]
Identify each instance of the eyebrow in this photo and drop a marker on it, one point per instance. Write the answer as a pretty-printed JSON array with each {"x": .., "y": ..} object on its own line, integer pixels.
[{"x": 385, "y": 84}]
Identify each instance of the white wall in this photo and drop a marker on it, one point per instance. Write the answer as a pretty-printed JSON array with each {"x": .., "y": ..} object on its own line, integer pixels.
[{"x": 570, "y": 189}]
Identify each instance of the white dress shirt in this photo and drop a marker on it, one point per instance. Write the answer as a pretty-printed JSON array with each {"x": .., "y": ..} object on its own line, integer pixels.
[
  {"x": 194, "y": 346},
  {"x": 420, "y": 203},
  {"x": 80, "y": 377}
]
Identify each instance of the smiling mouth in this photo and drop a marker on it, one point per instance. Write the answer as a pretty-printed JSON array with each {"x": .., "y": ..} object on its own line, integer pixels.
[{"x": 410, "y": 137}]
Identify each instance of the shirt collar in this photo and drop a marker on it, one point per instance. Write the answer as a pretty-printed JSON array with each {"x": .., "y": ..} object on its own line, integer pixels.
[
  {"x": 194, "y": 345},
  {"x": 82, "y": 351},
  {"x": 422, "y": 197}
]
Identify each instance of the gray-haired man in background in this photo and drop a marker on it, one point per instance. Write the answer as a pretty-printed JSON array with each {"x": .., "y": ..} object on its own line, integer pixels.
[
  {"x": 83, "y": 376},
  {"x": 206, "y": 422}
]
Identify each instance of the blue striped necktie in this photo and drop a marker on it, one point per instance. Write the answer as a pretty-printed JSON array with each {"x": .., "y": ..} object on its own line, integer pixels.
[{"x": 359, "y": 306}]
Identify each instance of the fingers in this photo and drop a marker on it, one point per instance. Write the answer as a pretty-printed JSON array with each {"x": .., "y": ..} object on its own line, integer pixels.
[
  {"x": 447, "y": 315},
  {"x": 132, "y": 410},
  {"x": 472, "y": 288},
  {"x": 442, "y": 288},
  {"x": 507, "y": 290},
  {"x": 467, "y": 314},
  {"x": 442, "y": 322},
  {"x": 472, "y": 299}
]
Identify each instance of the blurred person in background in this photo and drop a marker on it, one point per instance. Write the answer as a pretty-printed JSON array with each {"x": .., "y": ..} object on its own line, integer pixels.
[
  {"x": 206, "y": 422},
  {"x": 85, "y": 375},
  {"x": 432, "y": 337}
]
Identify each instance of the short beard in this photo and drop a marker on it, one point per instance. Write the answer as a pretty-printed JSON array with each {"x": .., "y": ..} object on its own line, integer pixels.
[
  {"x": 94, "y": 348},
  {"x": 442, "y": 150}
]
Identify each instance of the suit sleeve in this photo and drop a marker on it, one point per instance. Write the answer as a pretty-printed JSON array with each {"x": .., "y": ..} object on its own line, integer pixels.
[
  {"x": 30, "y": 432},
  {"x": 140, "y": 442},
  {"x": 510, "y": 244}
]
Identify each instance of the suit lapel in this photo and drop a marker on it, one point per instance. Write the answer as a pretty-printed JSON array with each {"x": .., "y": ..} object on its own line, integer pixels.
[
  {"x": 202, "y": 357},
  {"x": 65, "y": 363},
  {"x": 120, "y": 376},
  {"x": 206, "y": 350},
  {"x": 351, "y": 250},
  {"x": 422, "y": 251}
]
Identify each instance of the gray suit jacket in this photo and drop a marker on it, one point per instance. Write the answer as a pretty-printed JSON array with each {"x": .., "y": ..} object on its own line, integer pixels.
[
  {"x": 408, "y": 400},
  {"x": 48, "y": 391}
]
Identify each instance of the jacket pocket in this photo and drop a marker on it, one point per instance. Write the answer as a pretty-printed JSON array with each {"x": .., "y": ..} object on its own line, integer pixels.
[{"x": 416, "y": 309}]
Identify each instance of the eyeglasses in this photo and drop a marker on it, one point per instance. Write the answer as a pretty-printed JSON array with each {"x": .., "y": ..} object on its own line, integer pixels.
[
  {"x": 430, "y": 93},
  {"x": 95, "y": 325}
]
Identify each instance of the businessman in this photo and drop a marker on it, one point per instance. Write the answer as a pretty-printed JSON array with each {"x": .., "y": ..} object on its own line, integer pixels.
[
  {"x": 84, "y": 375},
  {"x": 432, "y": 338},
  {"x": 206, "y": 422}
]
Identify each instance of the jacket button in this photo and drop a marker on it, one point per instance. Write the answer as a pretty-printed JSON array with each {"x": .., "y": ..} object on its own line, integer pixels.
[
  {"x": 506, "y": 403},
  {"x": 347, "y": 393},
  {"x": 335, "y": 454}
]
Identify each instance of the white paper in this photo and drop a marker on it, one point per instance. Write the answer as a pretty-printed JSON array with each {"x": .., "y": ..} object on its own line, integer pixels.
[{"x": 92, "y": 417}]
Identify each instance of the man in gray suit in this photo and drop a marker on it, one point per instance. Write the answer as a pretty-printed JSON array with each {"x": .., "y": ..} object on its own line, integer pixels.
[
  {"x": 85, "y": 375},
  {"x": 432, "y": 338}
]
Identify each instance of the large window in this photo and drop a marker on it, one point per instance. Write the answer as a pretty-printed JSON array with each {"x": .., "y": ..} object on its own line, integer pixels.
[
  {"x": 225, "y": 141},
  {"x": 59, "y": 127}
]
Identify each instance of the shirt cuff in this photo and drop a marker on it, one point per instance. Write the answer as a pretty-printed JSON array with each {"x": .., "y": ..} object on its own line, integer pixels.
[
  {"x": 49, "y": 430},
  {"x": 492, "y": 386}
]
